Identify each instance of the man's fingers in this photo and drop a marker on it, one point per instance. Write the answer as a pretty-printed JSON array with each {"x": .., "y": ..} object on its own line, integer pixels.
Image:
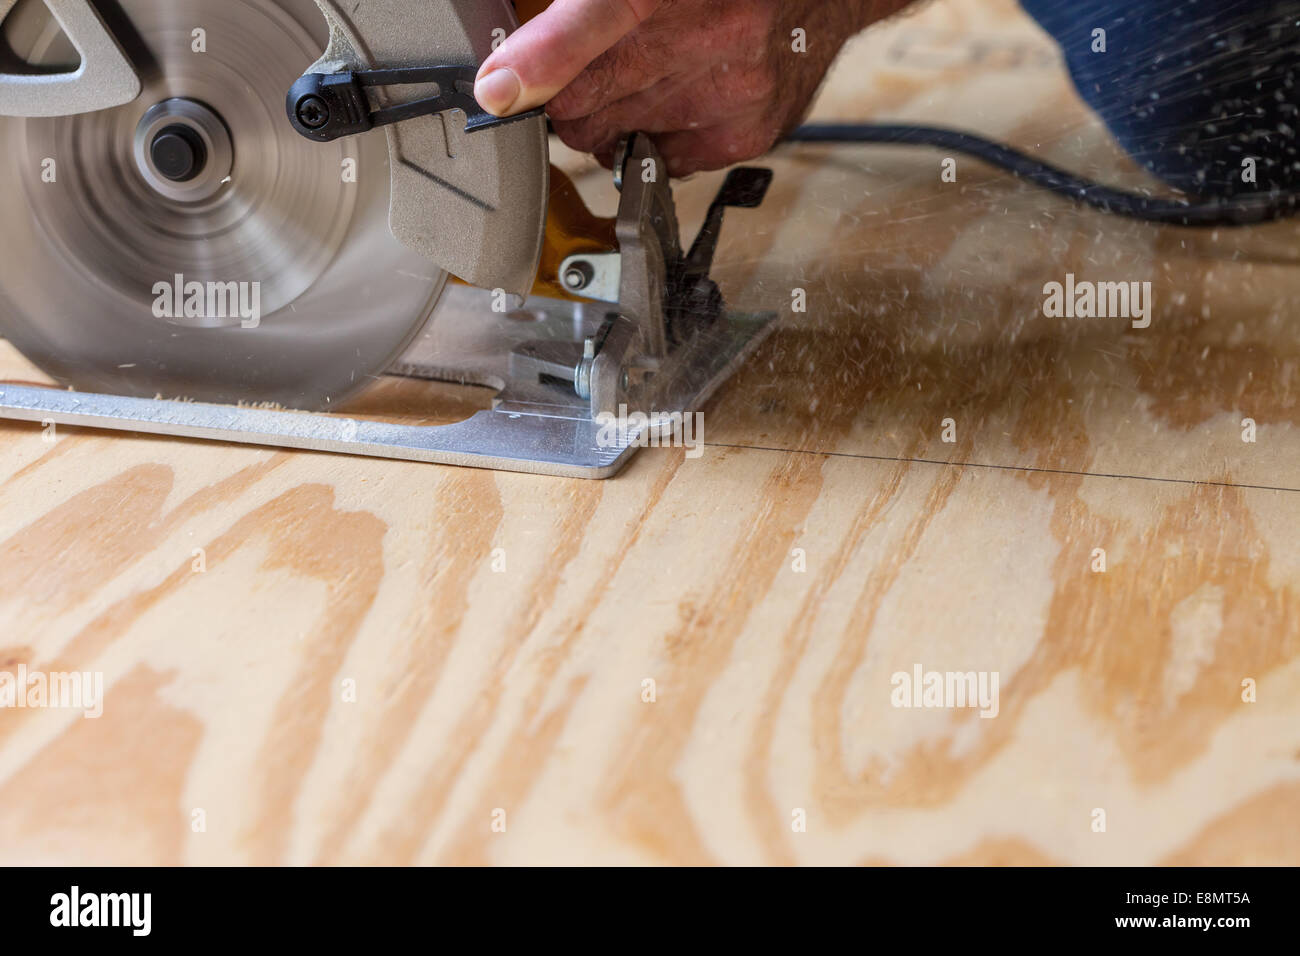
[
  {"x": 699, "y": 150},
  {"x": 654, "y": 110},
  {"x": 627, "y": 68},
  {"x": 684, "y": 151},
  {"x": 549, "y": 51}
]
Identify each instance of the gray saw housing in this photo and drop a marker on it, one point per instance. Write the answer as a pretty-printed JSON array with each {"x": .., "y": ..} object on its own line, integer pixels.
[{"x": 474, "y": 204}]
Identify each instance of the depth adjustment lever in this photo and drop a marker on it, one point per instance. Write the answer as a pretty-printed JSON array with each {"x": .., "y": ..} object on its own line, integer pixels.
[{"x": 327, "y": 106}]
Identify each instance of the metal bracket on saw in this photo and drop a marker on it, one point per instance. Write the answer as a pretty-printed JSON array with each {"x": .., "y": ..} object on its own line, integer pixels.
[
  {"x": 327, "y": 106},
  {"x": 581, "y": 385}
]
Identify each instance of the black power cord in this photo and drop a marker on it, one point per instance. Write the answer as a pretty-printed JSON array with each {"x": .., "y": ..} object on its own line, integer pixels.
[{"x": 1265, "y": 207}]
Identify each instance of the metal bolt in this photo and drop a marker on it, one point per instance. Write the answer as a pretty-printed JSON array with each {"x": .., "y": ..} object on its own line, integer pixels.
[
  {"x": 582, "y": 373},
  {"x": 313, "y": 112},
  {"x": 178, "y": 153},
  {"x": 579, "y": 276}
]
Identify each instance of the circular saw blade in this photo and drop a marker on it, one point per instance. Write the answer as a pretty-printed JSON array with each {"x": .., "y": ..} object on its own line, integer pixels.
[{"x": 281, "y": 284}]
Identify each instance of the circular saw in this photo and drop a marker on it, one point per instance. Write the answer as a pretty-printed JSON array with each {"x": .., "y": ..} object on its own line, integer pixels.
[{"x": 221, "y": 206}]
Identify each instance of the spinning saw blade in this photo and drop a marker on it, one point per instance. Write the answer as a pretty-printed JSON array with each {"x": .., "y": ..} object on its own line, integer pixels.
[{"x": 189, "y": 243}]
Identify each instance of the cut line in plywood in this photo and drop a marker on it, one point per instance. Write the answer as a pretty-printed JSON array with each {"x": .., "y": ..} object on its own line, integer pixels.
[{"x": 996, "y": 467}]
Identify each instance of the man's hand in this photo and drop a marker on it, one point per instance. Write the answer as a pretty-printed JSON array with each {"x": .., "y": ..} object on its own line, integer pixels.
[{"x": 715, "y": 82}]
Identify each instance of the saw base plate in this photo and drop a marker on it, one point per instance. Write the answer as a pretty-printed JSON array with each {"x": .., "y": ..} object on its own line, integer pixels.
[{"x": 537, "y": 425}]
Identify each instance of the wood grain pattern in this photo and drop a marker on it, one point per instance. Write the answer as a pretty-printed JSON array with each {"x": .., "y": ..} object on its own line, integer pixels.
[{"x": 519, "y": 687}]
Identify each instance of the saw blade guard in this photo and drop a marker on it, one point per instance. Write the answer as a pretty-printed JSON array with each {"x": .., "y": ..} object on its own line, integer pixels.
[{"x": 474, "y": 204}]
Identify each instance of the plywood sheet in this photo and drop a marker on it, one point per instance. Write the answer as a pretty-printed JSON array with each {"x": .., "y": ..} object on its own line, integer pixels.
[{"x": 328, "y": 660}]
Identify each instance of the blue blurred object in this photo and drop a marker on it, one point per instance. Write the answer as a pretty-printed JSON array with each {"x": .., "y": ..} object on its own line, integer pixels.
[{"x": 1190, "y": 88}]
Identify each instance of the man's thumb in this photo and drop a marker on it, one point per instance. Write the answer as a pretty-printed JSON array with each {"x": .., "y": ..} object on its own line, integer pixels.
[{"x": 548, "y": 52}]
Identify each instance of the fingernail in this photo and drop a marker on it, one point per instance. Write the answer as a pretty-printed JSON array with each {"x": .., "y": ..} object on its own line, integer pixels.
[{"x": 498, "y": 91}]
